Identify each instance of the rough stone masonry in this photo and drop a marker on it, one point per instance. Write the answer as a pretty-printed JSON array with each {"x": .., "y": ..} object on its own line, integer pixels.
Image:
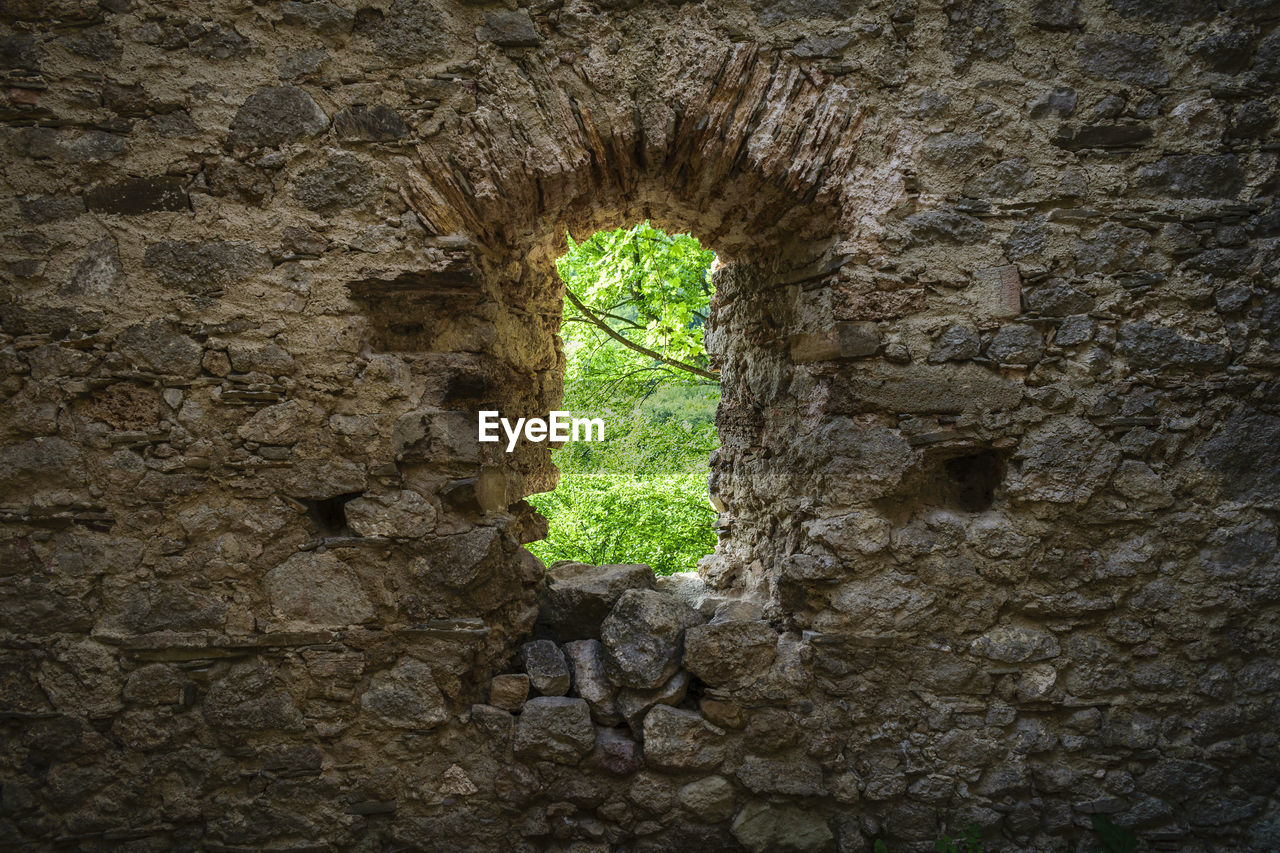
[{"x": 998, "y": 329}]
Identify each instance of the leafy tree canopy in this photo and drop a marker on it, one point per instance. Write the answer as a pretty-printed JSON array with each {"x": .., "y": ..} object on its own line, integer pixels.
[{"x": 635, "y": 307}]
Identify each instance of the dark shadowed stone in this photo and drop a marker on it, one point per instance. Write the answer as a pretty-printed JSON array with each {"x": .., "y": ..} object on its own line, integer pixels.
[
  {"x": 158, "y": 346},
  {"x": 406, "y": 696},
  {"x": 1266, "y": 62},
  {"x": 138, "y": 195},
  {"x": 616, "y": 752},
  {"x": 20, "y": 51},
  {"x": 172, "y": 125},
  {"x": 411, "y": 31},
  {"x": 643, "y": 638},
  {"x": 546, "y": 666},
  {"x": 1056, "y": 298},
  {"x": 250, "y": 697},
  {"x": 957, "y": 343},
  {"x": 319, "y": 16},
  {"x": 729, "y": 654},
  {"x": 586, "y": 660},
  {"x": 576, "y": 597},
  {"x": 843, "y": 340},
  {"x": 1245, "y": 450},
  {"x": 274, "y": 115},
  {"x": 220, "y": 43},
  {"x": 634, "y": 704},
  {"x": 976, "y": 29},
  {"x": 1130, "y": 135},
  {"x": 1225, "y": 263},
  {"x": 69, "y": 145},
  {"x": 1063, "y": 460},
  {"x": 127, "y": 100},
  {"x": 1016, "y": 343},
  {"x": 1027, "y": 240},
  {"x": 50, "y": 208},
  {"x": 1177, "y": 780},
  {"x": 204, "y": 267},
  {"x": 680, "y": 740},
  {"x": 786, "y": 777},
  {"x": 156, "y": 684},
  {"x": 98, "y": 272},
  {"x": 1003, "y": 180},
  {"x": 406, "y": 514},
  {"x": 318, "y": 589},
  {"x": 1150, "y": 347},
  {"x": 1114, "y": 248},
  {"x": 1193, "y": 176},
  {"x": 1225, "y": 53},
  {"x": 378, "y": 123},
  {"x": 952, "y": 150},
  {"x": 944, "y": 226},
  {"x": 554, "y": 728},
  {"x": 1011, "y": 644},
  {"x": 920, "y": 388},
  {"x": 1056, "y": 15},
  {"x": 509, "y": 28},
  {"x": 343, "y": 182},
  {"x": 1166, "y": 11},
  {"x": 762, "y": 827},
  {"x": 1251, "y": 120},
  {"x": 823, "y": 47},
  {"x": 458, "y": 560},
  {"x": 1127, "y": 57},
  {"x": 1059, "y": 101},
  {"x": 781, "y": 11},
  {"x": 38, "y": 464},
  {"x": 1074, "y": 330},
  {"x": 98, "y": 43}
]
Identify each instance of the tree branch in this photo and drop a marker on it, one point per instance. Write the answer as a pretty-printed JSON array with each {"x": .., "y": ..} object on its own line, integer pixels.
[{"x": 611, "y": 332}]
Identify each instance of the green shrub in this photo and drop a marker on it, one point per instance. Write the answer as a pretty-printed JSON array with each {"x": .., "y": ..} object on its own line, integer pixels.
[
  {"x": 615, "y": 518},
  {"x": 639, "y": 496}
]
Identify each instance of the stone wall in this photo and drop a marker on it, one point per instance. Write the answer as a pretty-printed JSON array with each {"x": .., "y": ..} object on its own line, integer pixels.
[{"x": 996, "y": 321}]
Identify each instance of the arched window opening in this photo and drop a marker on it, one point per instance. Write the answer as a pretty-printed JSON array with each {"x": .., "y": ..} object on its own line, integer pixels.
[{"x": 636, "y": 304}]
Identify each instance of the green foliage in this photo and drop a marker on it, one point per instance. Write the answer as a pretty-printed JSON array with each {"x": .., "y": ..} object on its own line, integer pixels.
[
  {"x": 640, "y": 496},
  {"x": 615, "y": 518},
  {"x": 655, "y": 287},
  {"x": 1115, "y": 839},
  {"x": 880, "y": 847},
  {"x": 970, "y": 842}
]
